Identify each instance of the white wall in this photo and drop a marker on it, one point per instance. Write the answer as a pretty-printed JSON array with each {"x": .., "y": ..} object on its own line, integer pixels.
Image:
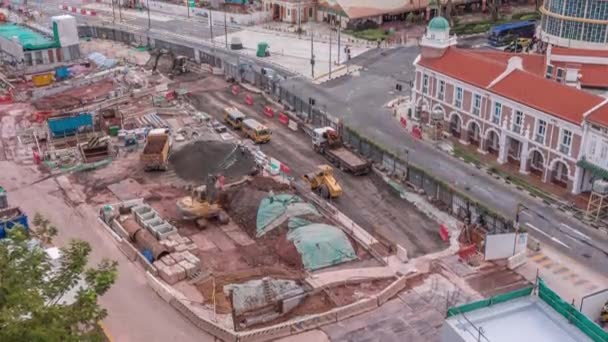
[
  {"x": 596, "y": 143},
  {"x": 592, "y": 305},
  {"x": 12, "y": 48},
  {"x": 500, "y": 246}
]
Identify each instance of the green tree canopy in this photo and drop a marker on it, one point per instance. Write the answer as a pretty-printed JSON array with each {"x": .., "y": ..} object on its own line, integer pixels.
[{"x": 41, "y": 300}]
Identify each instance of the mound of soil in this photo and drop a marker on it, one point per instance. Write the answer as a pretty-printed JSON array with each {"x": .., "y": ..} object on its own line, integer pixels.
[{"x": 194, "y": 162}]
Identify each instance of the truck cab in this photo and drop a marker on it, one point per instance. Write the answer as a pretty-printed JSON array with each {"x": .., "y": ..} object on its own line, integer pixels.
[
  {"x": 233, "y": 117},
  {"x": 256, "y": 131}
]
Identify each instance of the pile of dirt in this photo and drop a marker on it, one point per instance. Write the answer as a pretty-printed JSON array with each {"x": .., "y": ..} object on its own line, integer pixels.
[
  {"x": 195, "y": 161},
  {"x": 222, "y": 302}
]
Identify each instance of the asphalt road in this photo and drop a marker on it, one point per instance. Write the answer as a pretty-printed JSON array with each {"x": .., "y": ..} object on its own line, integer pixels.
[{"x": 359, "y": 99}]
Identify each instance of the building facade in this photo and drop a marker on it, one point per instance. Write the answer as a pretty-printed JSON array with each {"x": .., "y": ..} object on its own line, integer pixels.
[
  {"x": 492, "y": 102},
  {"x": 291, "y": 11},
  {"x": 575, "y": 23}
]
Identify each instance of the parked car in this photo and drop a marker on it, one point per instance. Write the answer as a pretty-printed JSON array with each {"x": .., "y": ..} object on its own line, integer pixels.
[{"x": 218, "y": 126}]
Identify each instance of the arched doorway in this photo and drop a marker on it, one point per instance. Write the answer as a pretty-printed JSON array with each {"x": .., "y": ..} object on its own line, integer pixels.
[
  {"x": 559, "y": 173},
  {"x": 474, "y": 133},
  {"x": 492, "y": 141},
  {"x": 276, "y": 12},
  {"x": 536, "y": 163},
  {"x": 455, "y": 125}
]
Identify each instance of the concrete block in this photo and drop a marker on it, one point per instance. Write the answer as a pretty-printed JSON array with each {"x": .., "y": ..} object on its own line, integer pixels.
[
  {"x": 192, "y": 248},
  {"x": 178, "y": 256},
  {"x": 191, "y": 258},
  {"x": 179, "y": 271},
  {"x": 168, "y": 260},
  {"x": 402, "y": 254},
  {"x": 175, "y": 237},
  {"x": 190, "y": 268},
  {"x": 180, "y": 248}
]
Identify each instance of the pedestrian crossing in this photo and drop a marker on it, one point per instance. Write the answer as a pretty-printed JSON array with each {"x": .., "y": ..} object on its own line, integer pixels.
[{"x": 557, "y": 270}]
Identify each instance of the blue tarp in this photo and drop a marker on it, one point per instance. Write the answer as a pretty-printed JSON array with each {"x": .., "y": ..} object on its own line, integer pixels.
[{"x": 70, "y": 125}]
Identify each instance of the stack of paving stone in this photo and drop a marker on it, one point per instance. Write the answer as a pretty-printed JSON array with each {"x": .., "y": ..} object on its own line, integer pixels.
[{"x": 177, "y": 266}]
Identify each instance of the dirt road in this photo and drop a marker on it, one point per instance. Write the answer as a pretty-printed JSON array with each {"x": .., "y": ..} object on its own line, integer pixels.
[{"x": 366, "y": 200}]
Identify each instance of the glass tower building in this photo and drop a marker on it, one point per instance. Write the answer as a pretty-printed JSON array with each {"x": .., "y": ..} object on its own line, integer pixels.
[{"x": 575, "y": 23}]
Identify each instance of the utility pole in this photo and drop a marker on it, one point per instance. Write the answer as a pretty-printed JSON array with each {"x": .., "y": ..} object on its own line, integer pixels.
[
  {"x": 211, "y": 26},
  {"x": 299, "y": 20},
  {"x": 188, "y": 7},
  {"x": 113, "y": 13},
  {"x": 330, "y": 54},
  {"x": 225, "y": 28},
  {"x": 312, "y": 55},
  {"x": 149, "y": 21},
  {"x": 120, "y": 10},
  {"x": 339, "y": 26}
]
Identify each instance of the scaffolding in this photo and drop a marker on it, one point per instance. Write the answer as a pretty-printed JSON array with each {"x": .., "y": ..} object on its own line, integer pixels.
[{"x": 597, "y": 206}]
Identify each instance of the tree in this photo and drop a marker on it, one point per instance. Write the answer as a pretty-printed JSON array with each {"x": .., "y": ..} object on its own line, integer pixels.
[
  {"x": 494, "y": 9},
  {"x": 449, "y": 6},
  {"x": 409, "y": 18},
  {"x": 36, "y": 301}
]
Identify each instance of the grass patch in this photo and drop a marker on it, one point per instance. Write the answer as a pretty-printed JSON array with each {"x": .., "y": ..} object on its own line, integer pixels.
[
  {"x": 468, "y": 157},
  {"x": 369, "y": 34}
]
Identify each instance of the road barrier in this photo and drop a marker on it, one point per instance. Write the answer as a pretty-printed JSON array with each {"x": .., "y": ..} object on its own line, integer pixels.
[
  {"x": 357, "y": 308},
  {"x": 268, "y": 111},
  {"x": 284, "y": 119},
  {"x": 128, "y": 250},
  {"x": 313, "y": 321},
  {"x": 202, "y": 323},
  {"x": 249, "y": 100},
  {"x": 235, "y": 90},
  {"x": 392, "y": 290},
  {"x": 266, "y": 334},
  {"x": 517, "y": 260}
]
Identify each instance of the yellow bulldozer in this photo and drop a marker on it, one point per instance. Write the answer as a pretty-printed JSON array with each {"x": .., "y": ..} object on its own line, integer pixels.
[
  {"x": 202, "y": 205},
  {"x": 604, "y": 315},
  {"x": 322, "y": 181}
]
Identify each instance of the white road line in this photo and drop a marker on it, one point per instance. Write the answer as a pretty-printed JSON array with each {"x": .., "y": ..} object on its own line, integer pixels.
[
  {"x": 556, "y": 240},
  {"x": 576, "y": 231},
  {"x": 538, "y": 230},
  {"x": 560, "y": 242},
  {"x": 526, "y": 213}
]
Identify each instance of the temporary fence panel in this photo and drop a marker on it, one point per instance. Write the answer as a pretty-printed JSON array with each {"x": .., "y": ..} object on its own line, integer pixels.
[
  {"x": 587, "y": 326},
  {"x": 457, "y": 310}
]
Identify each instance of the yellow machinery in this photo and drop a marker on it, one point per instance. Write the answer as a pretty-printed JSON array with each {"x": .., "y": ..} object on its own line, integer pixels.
[
  {"x": 322, "y": 180},
  {"x": 202, "y": 205},
  {"x": 604, "y": 315}
]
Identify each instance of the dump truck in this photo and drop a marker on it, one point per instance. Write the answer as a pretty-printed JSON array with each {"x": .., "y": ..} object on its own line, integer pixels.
[
  {"x": 155, "y": 155},
  {"x": 326, "y": 141},
  {"x": 323, "y": 182},
  {"x": 255, "y": 131}
]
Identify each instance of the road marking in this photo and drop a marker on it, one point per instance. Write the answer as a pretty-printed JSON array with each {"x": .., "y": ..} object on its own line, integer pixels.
[
  {"x": 575, "y": 231},
  {"x": 526, "y": 213},
  {"x": 538, "y": 230},
  {"x": 560, "y": 242},
  {"x": 556, "y": 240}
]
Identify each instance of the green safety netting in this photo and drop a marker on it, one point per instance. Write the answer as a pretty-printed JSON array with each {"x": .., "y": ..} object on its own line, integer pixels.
[
  {"x": 276, "y": 209},
  {"x": 489, "y": 301},
  {"x": 587, "y": 326},
  {"x": 29, "y": 39},
  {"x": 321, "y": 245}
]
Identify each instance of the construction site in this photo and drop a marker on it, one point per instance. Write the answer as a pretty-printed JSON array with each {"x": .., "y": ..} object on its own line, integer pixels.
[{"x": 250, "y": 222}]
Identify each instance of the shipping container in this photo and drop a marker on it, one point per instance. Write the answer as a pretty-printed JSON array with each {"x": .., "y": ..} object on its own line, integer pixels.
[
  {"x": 43, "y": 80},
  {"x": 11, "y": 217}
]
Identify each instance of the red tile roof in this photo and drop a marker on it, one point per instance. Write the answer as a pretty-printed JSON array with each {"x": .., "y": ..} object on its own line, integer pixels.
[
  {"x": 548, "y": 96},
  {"x": 556, "y": 50},
  {"x": 600, "y": 115},
  {"x": 593, "y": 75},
  {"x": 527, "y": 87},
  {"x": 466, "y": 66},
  {"x": 533, "y": 63}
]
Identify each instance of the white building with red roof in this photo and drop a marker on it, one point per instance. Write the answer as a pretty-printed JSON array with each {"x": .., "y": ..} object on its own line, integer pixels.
[{"x": 513, "y": 107}]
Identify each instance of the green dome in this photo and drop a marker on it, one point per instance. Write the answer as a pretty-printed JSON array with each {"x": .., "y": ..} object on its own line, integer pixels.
[{"x": 439, "y": 24}]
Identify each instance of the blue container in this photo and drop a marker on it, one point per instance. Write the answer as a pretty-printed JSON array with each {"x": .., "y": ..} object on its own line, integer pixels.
[
  {"x": 148, "y": 255},
  {"x": 69, "y": 125},
  {"x": 17, "y": 221},
  {"x": 62, "y": 73}
]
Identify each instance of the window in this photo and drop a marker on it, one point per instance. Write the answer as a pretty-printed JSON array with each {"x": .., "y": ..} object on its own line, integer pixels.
[
  {"x": 288, "y": 12},
  {"x": 38, "y": 57},
  {"x": 425, "y": 84},
  {"x": 604, "y": 151},
  {"x": 518, "y": 121},
  {"x": 476, "y": 104},
  {"x": 497, "y": 113},
  {"x": 441, "y": 91},
  {"x": 310, "y": 12},
  {"x": 458, "y": 98},
  {"x": 549, "y": 73},
  {"x": 592, "y": 144},
  {"x": 560, "y": 75},
  {"x": 564, "y": 147},
  {"x": 28, "y": 59},
  {"x": 541, "y": 131}
]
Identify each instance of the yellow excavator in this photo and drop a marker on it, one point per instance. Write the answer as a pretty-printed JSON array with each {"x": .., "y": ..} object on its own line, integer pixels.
[
  {"x": 322, "y": 181},
  {"x": 202, "y": 205},
  {"x": 604, "y": 315}
]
